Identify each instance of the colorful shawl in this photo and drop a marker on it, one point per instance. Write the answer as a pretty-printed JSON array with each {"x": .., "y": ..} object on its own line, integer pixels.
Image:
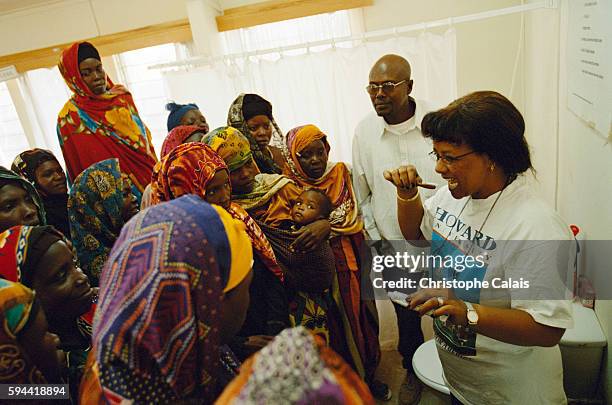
[
  {"x": 296, "y": 368},
  {"x": 265, "y": 188},
  {"x": 93, "y": 127},
  {"x": 335, "y": 182},
  {"x": 236, "y": 119},
  {"x": 187, "y": 170},
  {"x": 354, "y": 326},
  {"x": 17, "y": 307},
  {"x": 94, "y": 209},
  {"x": 231, "y": 145},
  {"x": 156, "y": 335},
  {"x": 178, "y": 135},
  {"x": 56, "y": 212},
  {"x": 8, "y": 176}
]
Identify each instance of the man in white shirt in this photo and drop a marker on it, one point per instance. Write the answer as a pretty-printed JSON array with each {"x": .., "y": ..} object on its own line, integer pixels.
[{"x": 384, "y": 140}]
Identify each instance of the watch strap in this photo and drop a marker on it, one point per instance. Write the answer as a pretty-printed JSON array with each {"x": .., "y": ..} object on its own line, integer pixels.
[{"x": 470, "y": 308}]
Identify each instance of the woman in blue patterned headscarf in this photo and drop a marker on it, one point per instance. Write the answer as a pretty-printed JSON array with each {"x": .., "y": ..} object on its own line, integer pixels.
[{"x": 100, "y": 202}]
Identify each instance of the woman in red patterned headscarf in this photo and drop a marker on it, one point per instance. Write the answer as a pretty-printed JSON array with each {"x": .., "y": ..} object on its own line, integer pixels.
[
  {"x": 183, "y": 134},
  {"x": 100, "y": 121},
  {"x": 195, "y": 168}
]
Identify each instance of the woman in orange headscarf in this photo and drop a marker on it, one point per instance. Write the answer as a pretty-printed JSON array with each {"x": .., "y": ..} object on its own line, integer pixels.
[
  {"x": 100, "y": 121},
  {"x": 309, "y": 167}
]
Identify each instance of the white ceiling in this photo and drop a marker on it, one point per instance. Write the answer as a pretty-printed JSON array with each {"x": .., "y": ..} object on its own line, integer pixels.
[{"x": 6, "y": 6}]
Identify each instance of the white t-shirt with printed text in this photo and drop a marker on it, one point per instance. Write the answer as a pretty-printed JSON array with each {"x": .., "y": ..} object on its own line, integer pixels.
[{"x": 522, "y": 239}]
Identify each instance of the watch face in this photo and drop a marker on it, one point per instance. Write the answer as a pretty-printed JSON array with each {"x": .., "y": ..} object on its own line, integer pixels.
[{"x": 472, "y": 317}]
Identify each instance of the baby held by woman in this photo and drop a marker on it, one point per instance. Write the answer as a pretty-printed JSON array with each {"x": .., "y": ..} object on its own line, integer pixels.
[{"x": 311, "y": 205}]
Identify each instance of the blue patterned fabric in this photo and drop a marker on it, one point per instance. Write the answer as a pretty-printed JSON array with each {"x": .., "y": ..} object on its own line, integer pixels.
[{"x": 94, "y": 210}]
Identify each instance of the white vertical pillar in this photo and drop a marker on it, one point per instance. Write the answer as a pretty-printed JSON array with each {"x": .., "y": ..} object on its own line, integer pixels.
[
  {"x": 30, "y": 127},
  {"x": 202, "y": 15}
]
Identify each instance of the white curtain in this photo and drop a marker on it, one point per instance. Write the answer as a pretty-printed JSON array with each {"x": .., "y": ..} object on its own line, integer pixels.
[
  {"x": 325, "y": 88},
  {"x": 45, "y": 93},
  {"x": 339, "y": 24}
]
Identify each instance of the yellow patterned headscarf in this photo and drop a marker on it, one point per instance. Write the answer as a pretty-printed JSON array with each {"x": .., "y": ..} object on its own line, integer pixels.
[{"x": 231, "y": 145}]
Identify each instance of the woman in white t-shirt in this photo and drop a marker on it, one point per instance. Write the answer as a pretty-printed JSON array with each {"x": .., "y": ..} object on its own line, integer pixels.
[{"x": 502, "y": 256}]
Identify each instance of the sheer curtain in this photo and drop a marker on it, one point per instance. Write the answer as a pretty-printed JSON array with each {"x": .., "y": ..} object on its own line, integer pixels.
[
  {"x": 292, "y": 32},
  {"x": 147, "y": 86},
  {"x": 12, "y": 136},
  {"x": 45, "y": 93},
  {"x": 323, "y": 87}
]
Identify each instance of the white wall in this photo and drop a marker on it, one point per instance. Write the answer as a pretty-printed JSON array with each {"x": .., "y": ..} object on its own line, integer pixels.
[
  {"x": 585, "y": 193},
  {"x": 72, "y": 20},
  {"x": 582, "y": 172},
  {"x": 486, "y": 49}
]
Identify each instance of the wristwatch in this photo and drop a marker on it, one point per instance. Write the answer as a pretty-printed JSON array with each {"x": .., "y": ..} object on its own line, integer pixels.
[{"x": 472, "y": 315}]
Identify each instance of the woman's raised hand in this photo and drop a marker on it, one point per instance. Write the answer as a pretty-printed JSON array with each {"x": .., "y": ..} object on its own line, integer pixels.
[{"x": 405, "y": 178}]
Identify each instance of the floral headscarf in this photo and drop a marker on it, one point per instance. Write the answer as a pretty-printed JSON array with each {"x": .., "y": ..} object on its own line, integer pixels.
[
  {"x": 17, "y": 309},
  {"x": 156, "y": 334},
  {"x": 231, "y": 145},
  {"x": 94, "y": 127},
  {"x": 187, "y": 170},
  {"x": 296, "y": 368},
  {"x": 26, "y": 164},
  {"x": 335, "y": 182},
  {"x": 236, "y": 119},
  {"x": 94, "y": 209},
  {"x": 178, "y": 135}
]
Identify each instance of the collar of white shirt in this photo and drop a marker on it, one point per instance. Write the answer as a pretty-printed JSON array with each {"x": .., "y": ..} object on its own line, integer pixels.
[{"x": 411, "y": 123}]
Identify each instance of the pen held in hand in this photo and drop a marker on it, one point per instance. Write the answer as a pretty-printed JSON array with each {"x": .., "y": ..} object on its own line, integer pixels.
[
  {"x": 387, "y": 175},
  {"x": 426, "y": 185}
]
